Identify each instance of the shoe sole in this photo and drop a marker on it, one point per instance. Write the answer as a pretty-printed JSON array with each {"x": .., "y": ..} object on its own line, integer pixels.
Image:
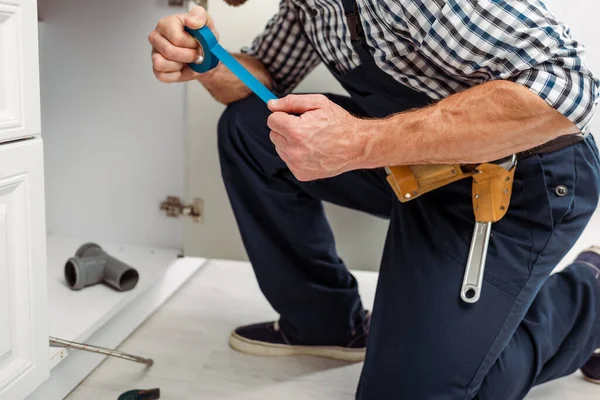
[
  {"x": 263, "y": 349},
  {"x": 593, "y": 249},
  {"x": 597, "y": 382}
]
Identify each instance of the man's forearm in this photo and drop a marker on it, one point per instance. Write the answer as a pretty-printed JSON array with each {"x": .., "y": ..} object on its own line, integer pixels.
[
  {"x": 226, "y": 88},
  {"x": 482, "y": 124}
]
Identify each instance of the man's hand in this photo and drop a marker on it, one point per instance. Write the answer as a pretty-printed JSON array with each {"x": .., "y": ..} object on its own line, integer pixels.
[
  {"x": 173, "y": 47},
  {"x": 324, "y": 141}
]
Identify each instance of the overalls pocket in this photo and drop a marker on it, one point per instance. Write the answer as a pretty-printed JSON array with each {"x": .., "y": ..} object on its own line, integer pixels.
[{"x": 559, "y": 174}]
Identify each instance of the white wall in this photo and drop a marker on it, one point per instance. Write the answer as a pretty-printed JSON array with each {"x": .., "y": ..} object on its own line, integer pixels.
[{"x": 114, "y": 136}]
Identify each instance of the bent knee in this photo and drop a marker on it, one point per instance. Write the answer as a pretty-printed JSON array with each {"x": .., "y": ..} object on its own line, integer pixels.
[
  {"x": 243, "y": 137},
  {"x": 413, "y": 374},
  {"x": 247, "y": 116}
]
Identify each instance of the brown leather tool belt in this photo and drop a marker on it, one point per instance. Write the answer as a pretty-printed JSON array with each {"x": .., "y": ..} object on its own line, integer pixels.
[
  {"x": 412, "y": 181},
  {"x": 553, "y": 145}
]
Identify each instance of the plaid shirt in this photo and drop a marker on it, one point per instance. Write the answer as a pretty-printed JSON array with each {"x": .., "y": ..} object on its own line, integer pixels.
[{"x": 438, "y": 47}]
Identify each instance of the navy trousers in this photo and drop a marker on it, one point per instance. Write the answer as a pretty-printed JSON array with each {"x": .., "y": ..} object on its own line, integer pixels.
[{"x": 425, "y": 342}]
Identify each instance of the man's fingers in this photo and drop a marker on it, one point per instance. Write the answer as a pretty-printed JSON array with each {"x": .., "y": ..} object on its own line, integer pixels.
[
  {"x": 196, "y": 18},
  {"x": 283, "y": 155},
  {"x": 278, "y": 140},
  {"x": 161, "y": 64},
  {"x": 298, "y": 104},
  {"x": 167, "y": 77},
  {"x": 282, "y": 123},
  {"x": 172, "y": 29},
  {"x": 186, "y": 74},
  {"x": 170, "y": 52},
  {"x": 298, "y": 174}
]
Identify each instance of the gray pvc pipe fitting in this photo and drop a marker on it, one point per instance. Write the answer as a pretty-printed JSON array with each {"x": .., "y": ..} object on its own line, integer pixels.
[{"x": 92, "y": 265}]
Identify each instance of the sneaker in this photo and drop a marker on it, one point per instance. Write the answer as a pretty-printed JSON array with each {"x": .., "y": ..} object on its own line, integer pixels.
[
  {"x": 591, "y": 369},
  {"x": 591, "y": 258},
  {"x": 268, "y": 340}
]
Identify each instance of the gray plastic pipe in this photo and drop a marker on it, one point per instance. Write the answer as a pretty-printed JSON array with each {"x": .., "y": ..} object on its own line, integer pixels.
[{"x": 92, "y": 265}]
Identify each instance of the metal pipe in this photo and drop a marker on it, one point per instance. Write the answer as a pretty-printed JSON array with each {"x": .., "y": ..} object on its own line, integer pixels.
[{"x": 56, "y": 342}]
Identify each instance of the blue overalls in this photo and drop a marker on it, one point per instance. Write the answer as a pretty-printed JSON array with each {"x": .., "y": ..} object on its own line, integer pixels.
[{"x": 424, "y": 341}]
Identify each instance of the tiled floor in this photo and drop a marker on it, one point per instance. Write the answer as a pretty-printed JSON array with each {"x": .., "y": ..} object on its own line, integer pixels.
[{"x": 188, "y": 340}]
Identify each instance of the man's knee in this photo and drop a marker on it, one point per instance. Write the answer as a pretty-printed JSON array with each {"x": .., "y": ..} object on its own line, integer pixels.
[
  {"x": 401, "y": 365},
  {"x": 241, "y": 119},
  {"x": 422, "y": 385},
  {"x": 243, "y": 139}
]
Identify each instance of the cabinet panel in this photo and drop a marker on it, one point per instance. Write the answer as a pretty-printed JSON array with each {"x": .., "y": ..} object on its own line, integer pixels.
[
  {"x": 19, "y": 76},
  {"x": 23, "y": 325},
  {"x": 4, "y": 288}
]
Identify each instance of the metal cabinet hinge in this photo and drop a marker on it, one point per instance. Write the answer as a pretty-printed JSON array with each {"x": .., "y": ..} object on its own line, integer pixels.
[{"x": 174, "y": 207}]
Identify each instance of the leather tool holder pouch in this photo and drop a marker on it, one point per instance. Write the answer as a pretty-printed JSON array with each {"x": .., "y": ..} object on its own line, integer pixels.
[
  {"x": 492, "y": 188},
  {"x": 492, "y": 185},
  {"x": 410, "y": 182}
]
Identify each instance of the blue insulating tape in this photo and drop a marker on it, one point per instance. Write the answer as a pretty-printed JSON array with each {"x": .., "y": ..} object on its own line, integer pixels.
[{"x": 213, "y": 52}]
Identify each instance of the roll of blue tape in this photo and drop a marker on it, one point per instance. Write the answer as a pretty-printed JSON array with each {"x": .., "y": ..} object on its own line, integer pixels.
[
  {"x": 207, "y": 40},
  {"x": 213, "y": 52}
]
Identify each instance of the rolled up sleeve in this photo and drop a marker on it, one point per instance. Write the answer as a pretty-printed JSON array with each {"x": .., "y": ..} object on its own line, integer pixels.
[
  {"x": 562, "y": 79},
  {"x": 519, "y": 41}
]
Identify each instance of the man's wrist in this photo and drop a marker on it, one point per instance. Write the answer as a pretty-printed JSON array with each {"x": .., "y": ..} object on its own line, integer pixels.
[
  {"x": 374, "y": 137},
  {"x": 209, "y": 75}
]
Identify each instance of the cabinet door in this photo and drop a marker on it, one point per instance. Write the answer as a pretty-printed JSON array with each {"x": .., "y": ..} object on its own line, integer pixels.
[
  {"x": 19, "y": 76},
  {"x": 23, "y": 324}
]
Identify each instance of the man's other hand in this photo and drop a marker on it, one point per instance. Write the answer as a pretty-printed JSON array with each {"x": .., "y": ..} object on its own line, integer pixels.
[
  {"x": 315, "y": 137},
  {"x": 173, "y": 48}
]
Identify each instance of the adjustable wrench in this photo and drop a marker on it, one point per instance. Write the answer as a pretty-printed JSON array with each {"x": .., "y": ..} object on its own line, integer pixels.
[{"x": 473, "y": 279}]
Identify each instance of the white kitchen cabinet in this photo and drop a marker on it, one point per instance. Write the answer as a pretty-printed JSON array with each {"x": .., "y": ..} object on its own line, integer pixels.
[
  {"x": 23, "y": 321},
  {"x": 19, "y": 82},
  {"x": 113, "y": 151},
  {"x": 114, "y": 146},
  {"x": 23, "y": 300}
]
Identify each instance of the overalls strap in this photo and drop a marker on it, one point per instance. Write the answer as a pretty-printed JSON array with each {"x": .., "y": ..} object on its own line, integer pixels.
[{"x": 357, "y": 33}]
